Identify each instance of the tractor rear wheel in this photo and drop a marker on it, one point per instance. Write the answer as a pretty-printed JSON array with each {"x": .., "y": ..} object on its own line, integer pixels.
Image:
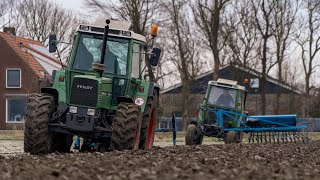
[
  {"x": 148, "y": 122},
  {"x": 126, "y": 127},
  {"x": 37, "y": 137},
  {"x": 194, "y": 135},
  {"x": 233, "y": 137}
]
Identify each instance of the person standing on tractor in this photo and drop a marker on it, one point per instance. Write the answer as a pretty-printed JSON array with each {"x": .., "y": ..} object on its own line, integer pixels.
[{"x": 225, "y": 99}]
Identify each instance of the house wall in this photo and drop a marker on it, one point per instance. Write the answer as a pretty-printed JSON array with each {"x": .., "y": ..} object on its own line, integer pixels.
[
  {"x": 290, "y": 104},
  {"x": 29, "y": 81}
]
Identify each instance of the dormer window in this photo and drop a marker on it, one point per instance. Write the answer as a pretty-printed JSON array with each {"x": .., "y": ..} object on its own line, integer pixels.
[{"x": 13, "y": 78}]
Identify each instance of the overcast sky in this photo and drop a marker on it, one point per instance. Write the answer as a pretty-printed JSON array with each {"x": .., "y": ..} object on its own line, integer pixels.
[{"x": 70, "y": 4}]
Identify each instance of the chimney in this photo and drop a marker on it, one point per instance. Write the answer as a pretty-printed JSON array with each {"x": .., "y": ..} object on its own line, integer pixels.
[{"x": 10, "y": 30}]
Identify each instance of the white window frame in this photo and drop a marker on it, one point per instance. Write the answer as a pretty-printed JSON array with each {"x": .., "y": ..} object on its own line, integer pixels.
[
  {"x": 14, "y": 69},
  {"x": 8, "y": 96}
]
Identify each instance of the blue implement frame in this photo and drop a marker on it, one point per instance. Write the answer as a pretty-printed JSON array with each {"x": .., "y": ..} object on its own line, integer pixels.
[{"x": 272, "y": 122}]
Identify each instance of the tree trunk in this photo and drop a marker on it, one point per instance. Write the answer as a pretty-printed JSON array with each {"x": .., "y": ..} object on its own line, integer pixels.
[
  {"x": 307, "y": 97},
  {"x": 278, "y": 97},
  {"x": 264, "y": 76},
  {"x": 186, "y": 103},
  {"x": 216, "y": 67}
]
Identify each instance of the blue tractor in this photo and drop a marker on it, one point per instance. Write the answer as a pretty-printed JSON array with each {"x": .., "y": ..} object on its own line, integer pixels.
[{"x": 222, "y": 115}]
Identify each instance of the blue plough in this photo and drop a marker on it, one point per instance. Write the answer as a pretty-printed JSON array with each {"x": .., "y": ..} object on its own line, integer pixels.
[{"x": 266, "y": 128}]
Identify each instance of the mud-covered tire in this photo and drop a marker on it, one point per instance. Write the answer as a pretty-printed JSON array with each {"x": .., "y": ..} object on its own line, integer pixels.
[
  {"x": 232, "y": 137},
  {"x": 193, "y": 136},
  {"x": 37, "y": 137},
  {"x": 148, "y": 122},
  {"x": 126, "y": 127}
]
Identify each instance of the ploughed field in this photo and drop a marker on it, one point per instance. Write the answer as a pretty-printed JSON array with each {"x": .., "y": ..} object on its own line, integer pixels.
[{"x": 218, "y": 161}]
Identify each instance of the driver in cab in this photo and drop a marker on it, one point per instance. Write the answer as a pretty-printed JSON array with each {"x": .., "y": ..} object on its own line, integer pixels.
[{"x": 225, "y": 99}]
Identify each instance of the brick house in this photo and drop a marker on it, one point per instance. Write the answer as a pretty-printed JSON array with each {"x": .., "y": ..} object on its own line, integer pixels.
[{"x": 25, "y": 67}]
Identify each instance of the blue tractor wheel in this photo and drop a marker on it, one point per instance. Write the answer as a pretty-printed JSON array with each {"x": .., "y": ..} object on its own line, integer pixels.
[
  {"x": 233, "y": 137},
  {"x": 194, "y": 135}
]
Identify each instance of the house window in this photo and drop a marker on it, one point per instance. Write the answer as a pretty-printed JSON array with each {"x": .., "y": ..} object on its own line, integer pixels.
[
  {"x": 16, "y": 108},
  {"x": 13, "y": 78}
]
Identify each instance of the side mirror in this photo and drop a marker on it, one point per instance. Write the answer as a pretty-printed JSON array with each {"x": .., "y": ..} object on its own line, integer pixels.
[
  {"x": 52, "y": 43},
  {"x": 155, "y": 56}
]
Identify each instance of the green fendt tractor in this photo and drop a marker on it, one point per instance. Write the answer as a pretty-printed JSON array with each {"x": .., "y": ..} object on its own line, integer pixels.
[
  {"x": 221, "y": 110},
  {"x": 102, "y": 95}
]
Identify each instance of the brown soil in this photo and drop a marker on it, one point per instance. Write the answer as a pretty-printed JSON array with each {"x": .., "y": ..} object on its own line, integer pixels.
[{"x": 247, "y": 161}]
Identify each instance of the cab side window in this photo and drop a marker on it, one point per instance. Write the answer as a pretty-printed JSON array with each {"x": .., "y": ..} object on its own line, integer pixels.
[{"x": 135, "y": 71}]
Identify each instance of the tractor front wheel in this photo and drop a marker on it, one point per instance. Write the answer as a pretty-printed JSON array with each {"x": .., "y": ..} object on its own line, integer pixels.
[
  {"x": 194, "y": 135},
  {"x": 126, "y": 127},
  {"x": 37, "y": 137}
]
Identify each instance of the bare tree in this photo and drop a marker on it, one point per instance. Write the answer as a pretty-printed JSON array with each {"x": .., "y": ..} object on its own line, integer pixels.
[
  {"x": 207, "y": 15},
  {"x": 35, "y": 14},
  {"x": 139, "y": 13},
  {"x": 309, "y": 41},
  {"x": 3, "y": 7},
  {"x": 241, "y": 34},
  {"x": 284, "y": 14},
  {"x": 182, "y": 50},
  {"x": 163, "y": 70},
  {"x": 6, "y": 12},
  {"x": 263, "y": 10},
  {"x": 39, "y": 18}
]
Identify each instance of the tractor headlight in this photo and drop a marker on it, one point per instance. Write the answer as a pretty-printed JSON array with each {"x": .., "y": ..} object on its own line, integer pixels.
[
  {"x": 73, "y": 109},
  {"x": 91, "y": 112}
]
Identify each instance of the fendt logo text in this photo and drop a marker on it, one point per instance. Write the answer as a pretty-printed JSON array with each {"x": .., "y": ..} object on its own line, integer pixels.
[{"x": 84, "y": 87}]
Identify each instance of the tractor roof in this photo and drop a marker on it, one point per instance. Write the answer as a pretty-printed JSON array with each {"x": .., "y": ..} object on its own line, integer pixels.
[
  {"x": 116, "y": 32},
  {"x": 226, "y": 83}
]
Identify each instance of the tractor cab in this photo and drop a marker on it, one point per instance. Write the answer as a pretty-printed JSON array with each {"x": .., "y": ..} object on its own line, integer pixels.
[
  {"x": 225, "y": 94},
  {"x": 221, "y": 94}
]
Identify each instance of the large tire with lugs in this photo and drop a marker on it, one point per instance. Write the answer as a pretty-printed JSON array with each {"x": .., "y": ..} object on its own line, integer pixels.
[
  {"x": 37, "y": 137},
  {"x": 194, "y": 135},
  {"x": 233, "y": 137},
  {"x": 126, "y": 127},
  {"x": 148, "y": 122}
]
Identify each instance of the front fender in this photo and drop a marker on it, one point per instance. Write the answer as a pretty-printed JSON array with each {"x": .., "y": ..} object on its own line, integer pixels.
[{"x": 52, "y": 91}]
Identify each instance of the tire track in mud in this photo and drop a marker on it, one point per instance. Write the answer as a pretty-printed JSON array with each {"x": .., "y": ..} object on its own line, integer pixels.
[{"x": 246, "y": 161}]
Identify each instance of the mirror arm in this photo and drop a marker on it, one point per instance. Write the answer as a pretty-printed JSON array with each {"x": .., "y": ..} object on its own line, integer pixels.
[
  {"x": 63, "y": 67},
  {"x": 60, "y": 42},
  {"x": 142, "y": 71},
  {"x": 148, "y": 53},
  {"x": 55, "y": 42}
]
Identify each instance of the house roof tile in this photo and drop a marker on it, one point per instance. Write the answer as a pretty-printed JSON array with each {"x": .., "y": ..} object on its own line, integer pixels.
[{"x": 19, "y": 44}]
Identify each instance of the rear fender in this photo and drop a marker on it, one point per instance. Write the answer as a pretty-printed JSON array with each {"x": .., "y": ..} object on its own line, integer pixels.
[
  {"x": 154, "y": 87},
  {"x": 141, "y": 97}
]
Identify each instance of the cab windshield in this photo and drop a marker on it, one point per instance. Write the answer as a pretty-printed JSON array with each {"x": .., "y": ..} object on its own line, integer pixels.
[
  {"x": 89, "y": 51},
  {"x": 219, "y": 96}
]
